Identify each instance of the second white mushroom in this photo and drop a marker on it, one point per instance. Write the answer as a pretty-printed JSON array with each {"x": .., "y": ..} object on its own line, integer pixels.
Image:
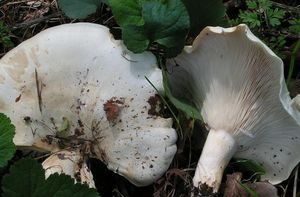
[{"x": 237, "y": 83}]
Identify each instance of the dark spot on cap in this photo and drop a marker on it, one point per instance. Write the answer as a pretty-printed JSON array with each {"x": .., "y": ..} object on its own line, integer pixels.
[
  {"x": 18, "y": 98},
  {"x": 61, "y": 156},
  {"x": 80, "y": 123},
  {"x": 154, "y": 102},
  {"x": 27, "y": 119}
]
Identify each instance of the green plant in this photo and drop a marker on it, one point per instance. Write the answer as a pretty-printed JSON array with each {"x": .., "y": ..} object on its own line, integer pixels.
[
  {"x": 292, "y": 61},
  {"x": 27, "y": 178},
  {"x": 160, "y": 24},
  {"x": 250, "y": 166},
  {"x": 79, "y": 9},
  {"x": 268, "y": 23},
  {"x": 7, "y": 147},
  {"x": 250, "y": 18},
  {"x": 294, "y": 25},
  {"x": 164, "y": 23},
  {"x": 4, "y": 36},
  {"x": 276, "y": 43},
  {"x": 260, "y": 13}
]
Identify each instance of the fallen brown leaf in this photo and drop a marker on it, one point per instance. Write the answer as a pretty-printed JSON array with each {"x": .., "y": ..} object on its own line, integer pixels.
[{"x": 234, "y": 189}]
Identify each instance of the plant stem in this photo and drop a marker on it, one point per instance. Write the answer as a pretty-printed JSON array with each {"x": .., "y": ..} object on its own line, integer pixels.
[{"x": 292, "y": 62}]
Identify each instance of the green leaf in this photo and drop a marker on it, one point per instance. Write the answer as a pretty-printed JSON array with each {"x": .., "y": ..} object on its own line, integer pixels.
[
  {"x": 294, "y": 25},
  {"x": 264, "y": 4},
  {"x": 205, "y": 13},
  {"x": 79, "y": 9},
  {"x": 167, "y": 24},
  {"x": 274, "y": 22},
  {"x": 250, "y": 18},
  {"x": 135, "y": 39},
  {"x": 274, "y": 16},
  {"x": 251, "y": 4},
  {"x": 64, "y": 127},
  {"x": 5, "y": 36},
  {"x": 164, "y": 23},
  {"x": 127, "y": 12},
  {"x": 63, "y": 185},
  {"x": 189, "y": 110},
  {"x": 7, "y": 147},
  {"x": 26, "y": 178},
  {"x": 251, "y": 166}
]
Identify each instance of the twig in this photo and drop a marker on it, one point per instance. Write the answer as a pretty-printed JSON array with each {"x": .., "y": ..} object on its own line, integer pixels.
[
  {"x": 36, "y": 21},
  {"x": 16, "y": 2},
  {"x": 39, "y": 91},
  {"x": 283, "y": 33},
  {"x": 286, "y": 7}
]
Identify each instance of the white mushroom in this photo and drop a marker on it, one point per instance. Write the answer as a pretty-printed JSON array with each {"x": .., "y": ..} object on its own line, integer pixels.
[
  {"x": 237, "y": 82},
  {"x": 73, "y": 87}
]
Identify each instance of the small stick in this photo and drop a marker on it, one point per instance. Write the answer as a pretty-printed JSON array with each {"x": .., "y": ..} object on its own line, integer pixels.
[
  {"x": 39, "y": 90},
  {"x": 36, "y": 21},
  {"x": 286, "y": 7}
]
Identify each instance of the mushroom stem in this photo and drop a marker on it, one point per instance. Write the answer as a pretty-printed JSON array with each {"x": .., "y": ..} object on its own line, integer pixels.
[{"x": 219, "y": 148}]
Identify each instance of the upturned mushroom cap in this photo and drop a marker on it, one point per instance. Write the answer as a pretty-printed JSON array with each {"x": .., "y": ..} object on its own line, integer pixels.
[
  {"x": 237, "y": 82},
  {"x": 74, "y": 86}
]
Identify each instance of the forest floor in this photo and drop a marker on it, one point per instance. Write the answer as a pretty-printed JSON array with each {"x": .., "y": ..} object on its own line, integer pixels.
[{"x": 22, "y": 19}]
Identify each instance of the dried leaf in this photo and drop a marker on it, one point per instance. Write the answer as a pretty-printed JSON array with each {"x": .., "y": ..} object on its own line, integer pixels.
[
  {"x": 233, "y": 187},
  {"x": 263, "y": 189}
]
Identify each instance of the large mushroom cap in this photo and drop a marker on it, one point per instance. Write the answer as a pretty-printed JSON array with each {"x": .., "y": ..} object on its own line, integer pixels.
[
  {"x": 74, "y": 86},
  {"x": 237, "y": 82}
]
